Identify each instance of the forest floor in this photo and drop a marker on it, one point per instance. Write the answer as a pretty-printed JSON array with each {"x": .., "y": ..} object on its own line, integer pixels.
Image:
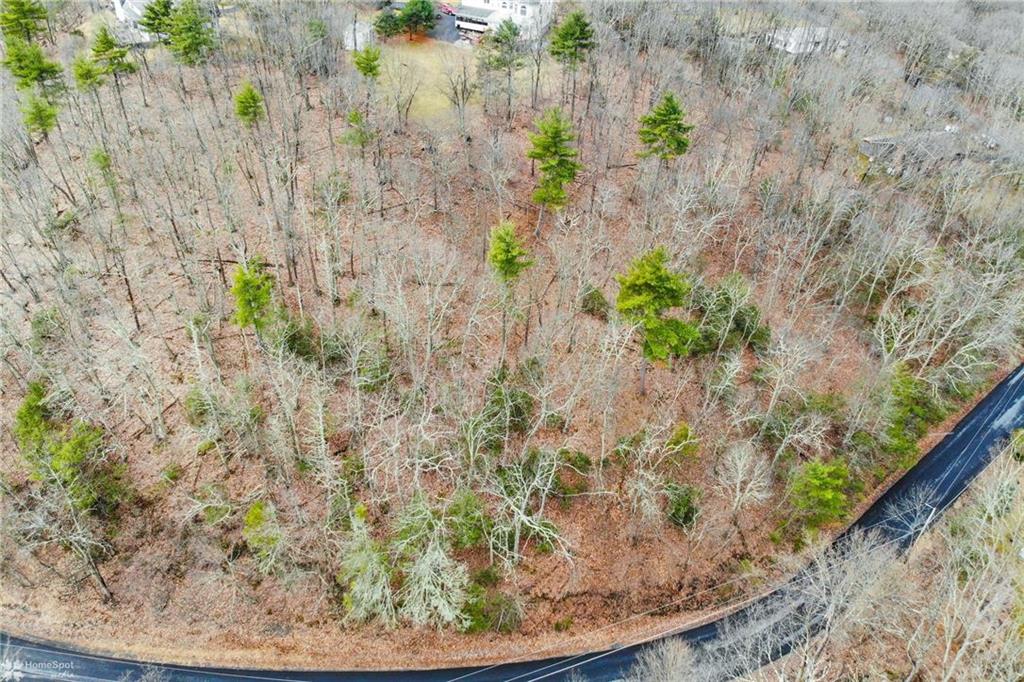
[{"x": 221, "y": 635}]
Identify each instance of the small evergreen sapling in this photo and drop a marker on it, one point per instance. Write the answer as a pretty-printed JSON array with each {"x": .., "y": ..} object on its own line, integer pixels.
[
  {"x": 819, "y": 491},
  {"x": 249, "y": 105},
  {"x": 367, "y": 62},
  {"x": 39, "y": 116},
  {"x": 253, "y": 291}
]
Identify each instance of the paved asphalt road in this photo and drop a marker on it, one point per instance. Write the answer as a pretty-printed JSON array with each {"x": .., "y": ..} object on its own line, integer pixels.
[{"x": 942, "y": 474}]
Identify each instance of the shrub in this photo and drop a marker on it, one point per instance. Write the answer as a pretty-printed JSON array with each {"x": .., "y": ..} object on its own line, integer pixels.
[
  {"x": 682, "y": 442},
  {"x": 416, "y": 524},
  {"x": 373, "y": 371},
  {"x": 214, "y": 504},
  {"x": 299, "y": 336},
  {"x": 1017, "y": 444},
  {"x": 46, "y": 327},
  {"x": 198, "y": 407},
  {"x": 682, "y": 505},
  {"x": 594, "y": 303},
  {"x": 819, "y": 492},
  {"x": 331, "y": 193},
  {"x": 728, "y": 321},
  {"x": 172, "y": 472},
  {"x": 434, "y": 587},
  {"x": 507, "y": 409},
  {"x": 912, "y": 410},
  {"x": 495, "y": 611},
  {"x": 263, "y": 535},
  {"x": 577, "y": 466},
  {"x": 467, "y": 519},
  {"x": 365, "y": 574},
  {"x": 67, "y": 455}
]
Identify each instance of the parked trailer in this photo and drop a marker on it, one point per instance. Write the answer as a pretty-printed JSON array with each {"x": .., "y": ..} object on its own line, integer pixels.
[{"x": 473, "y": 19}]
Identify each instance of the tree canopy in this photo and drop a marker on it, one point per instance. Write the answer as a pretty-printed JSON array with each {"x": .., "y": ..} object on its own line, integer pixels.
[
  {"x": 556, "y": 158},
  {"x": 387, "y": 24},
  {"x": 253, "y": 291},
  {"x": 156, "y": 18},
  {"x": 110, "y": 54},
  {"x": 818, "y": 491},
  {"x": 249, "y": 105},
  {"x": 30, "y": 67},
  {"x": 572, "y": 40},
  {"x": 367, "y": 61},
  {"x": 88, "y": 75},
  {"x": 191, "y": 37},
  {"x": 22, "y": 19},
  {"x": 418, "y": 16},
  {"x": 647, "y": 290},
  {"x": 664, "y": 131},
  {"x": 502, "y": 48},
  {"x": 38, "y": 115},
  {"x": 507, "y": 255}
]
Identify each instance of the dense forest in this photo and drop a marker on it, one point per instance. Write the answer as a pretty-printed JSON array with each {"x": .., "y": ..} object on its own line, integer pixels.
[{"x": 322, "y": 336}]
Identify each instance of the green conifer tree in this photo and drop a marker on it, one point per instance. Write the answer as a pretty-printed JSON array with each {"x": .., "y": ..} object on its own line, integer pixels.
[
  {"x": 367, "y": 62},
  {"x": 30, "y": 67},
  {"x": 503, "y": 52},
  {"x": 39, "y": 116},
  {"x": 253, "y": 291},
  {"x": 417, "y": 16},
  {"x": 571, "y": 42},
  {"x": 819, "y": 491},
  {"x": 556, "y": 160},
  {"x": 156, "y": 18},
  {"x": 647, "y": 290},
  {"x": 664, "y": 131},
  {"x": 191, "y": 37},
  {"x": 508, "y": 258},
  {"x": 249, "y": 105},
  {"x": 22, "y": 19}
]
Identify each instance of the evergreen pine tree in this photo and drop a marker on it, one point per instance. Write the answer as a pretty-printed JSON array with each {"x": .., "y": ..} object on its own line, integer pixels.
[
  {"x": 818, "y": 491},
  {"x": 191, "y": 36},
  {"x": 417, "y": 16},
  {"x": 30, "y": 67},
  {"x": 253, "y": 291},
  {"x": 647, "y": 290},
  {"x": 156, "y": 18},
  {"x": 249, "y": 105},
  {"x": 571, "y": 42},
  {"x": 22, "y": 19},
  {"x": 88, "y": 75},
  {"x": 664, "y": 131},
  {"x": 39, "y": 116},
  {"x": 367, "y": 62},
  {"x": 556, "y": 159},
  {"x": 503, "y": 52},
  {"x": 507, "y": 256},
  {"x": 110, "y": 54}
]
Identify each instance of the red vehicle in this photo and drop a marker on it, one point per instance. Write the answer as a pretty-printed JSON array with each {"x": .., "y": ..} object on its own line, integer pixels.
[{"x": 446, "y": 9}]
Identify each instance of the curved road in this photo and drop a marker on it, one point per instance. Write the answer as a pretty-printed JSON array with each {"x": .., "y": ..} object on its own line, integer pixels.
[{"x": 932, "y": 485}]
